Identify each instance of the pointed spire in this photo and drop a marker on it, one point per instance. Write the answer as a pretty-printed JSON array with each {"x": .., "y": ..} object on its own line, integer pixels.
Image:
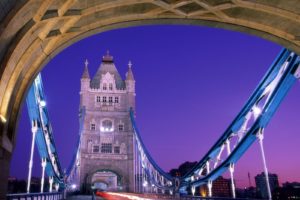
[
  {"x": 129, "y": 74},
  {"x": 86, "y": 74},
  {"x": 130, "y": 64}
]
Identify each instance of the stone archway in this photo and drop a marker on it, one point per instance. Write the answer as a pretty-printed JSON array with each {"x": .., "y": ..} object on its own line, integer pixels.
[
  {"x": 115, "y": 178},
  {"x": 34, "y": 31},
  {"x": 110, "y": 179}
]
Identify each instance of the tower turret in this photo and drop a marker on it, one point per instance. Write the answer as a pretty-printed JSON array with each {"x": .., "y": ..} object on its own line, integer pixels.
[
  {"x": 86, "y": 74},
  {"x": 130, "y": 86},
  {"x": 85, "y": 82}
]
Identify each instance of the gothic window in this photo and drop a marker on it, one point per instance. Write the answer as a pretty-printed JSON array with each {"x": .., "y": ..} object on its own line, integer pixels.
[
  {"x": 93, "y": 126},
  {"x": 104, "y": 99},
  {"x": 110, "y": 86},
  {"x": 98, "y": 99},
  {"x": 117, "y": 149},
  {"x": 116, "y": 99},
  {"x": 106, "y": 148},
  {"x": 110, "y": 100},
  {"x": 104, "y": 86},
  {"x": 121, "y": 127},
  {"x": 96, "y": 149},
  {"x": 107, "y": 126}
]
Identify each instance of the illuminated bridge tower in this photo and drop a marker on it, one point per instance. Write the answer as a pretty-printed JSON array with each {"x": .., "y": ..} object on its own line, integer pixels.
[{"x": 106, "y": 146}]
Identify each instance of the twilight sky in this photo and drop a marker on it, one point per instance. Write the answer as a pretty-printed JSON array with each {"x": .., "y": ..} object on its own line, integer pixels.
[{"x": 191, "y": 82}]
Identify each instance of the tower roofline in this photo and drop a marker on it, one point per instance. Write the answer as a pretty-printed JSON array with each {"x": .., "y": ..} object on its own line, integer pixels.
[
  {"x": 86, "y": 74},
  {"x": 108, "y": 58},
  {"x": 129, "y": 74}
]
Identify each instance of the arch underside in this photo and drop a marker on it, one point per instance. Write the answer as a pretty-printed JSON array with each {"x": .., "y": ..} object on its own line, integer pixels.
[
  {"x": 114, "y": 183},
  {"x": 32, "y": 32},
  {"x": 106, "y": 179}
]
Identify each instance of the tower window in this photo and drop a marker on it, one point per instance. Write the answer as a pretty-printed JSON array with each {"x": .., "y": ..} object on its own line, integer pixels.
[
  {"x": 96, "y": 149},
  {"x": 104, "y": 99},
  {"x": 93, "y": 126},
  {"x": 110, "y": 86},
  {"x": 107, "y": 126},
  {"x": 121, "y": 127},
  {"x": 104, "y": 86},
  {"x": 106, "y": 148},
  {"x": 110, "y": 100},
  {"x": 116, "y": 99},
  {"x": 117, "y": 149},
  {"x": 98, "y": 99}
]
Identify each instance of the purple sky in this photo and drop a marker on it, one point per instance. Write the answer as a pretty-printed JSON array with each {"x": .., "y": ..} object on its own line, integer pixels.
[{"x": 191, "y": 82}]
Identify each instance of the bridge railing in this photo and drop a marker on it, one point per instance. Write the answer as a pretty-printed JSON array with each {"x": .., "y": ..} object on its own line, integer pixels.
[{"x": 36, "y": 196}]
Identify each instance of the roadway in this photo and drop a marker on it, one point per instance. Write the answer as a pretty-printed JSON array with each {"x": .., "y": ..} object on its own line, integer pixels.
[
  {"x": 114, "y": 196},
  {"x": 130, "y": 196}
]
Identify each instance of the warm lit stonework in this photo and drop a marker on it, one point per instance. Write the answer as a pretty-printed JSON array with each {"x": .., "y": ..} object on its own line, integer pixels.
[{"x": 106, "y": 148}]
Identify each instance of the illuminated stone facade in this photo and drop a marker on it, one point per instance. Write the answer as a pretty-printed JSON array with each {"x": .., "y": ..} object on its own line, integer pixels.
[{"x": 106, "y": 144}]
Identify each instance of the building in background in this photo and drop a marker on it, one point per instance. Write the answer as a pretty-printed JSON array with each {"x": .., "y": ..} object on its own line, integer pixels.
[
  {"x": 182, "y": 169},
  {"x": 221, "y": 187},
  {"x": 261, "y": 186},
  {"x": 106, "y": 146},
  {"x": 287, "y": 191},
  {"x": 247, "y": 192},
  {"x": 19, "y": 185}
]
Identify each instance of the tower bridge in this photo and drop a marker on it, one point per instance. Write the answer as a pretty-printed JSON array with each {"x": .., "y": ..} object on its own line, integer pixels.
[
  {"x": 34, "y": 31},
  {"x": 110, "y": 154}
]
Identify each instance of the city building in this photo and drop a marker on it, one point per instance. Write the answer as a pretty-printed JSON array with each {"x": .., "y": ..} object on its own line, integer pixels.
[
  {"x": 221, "y": 187},
  {"x": 182, "y": 169},
  {"x": 106, "y": 148},
  {"x": 287, "y": 191},
  {"x": 261, "y": 186},
  {"x": 19, "y": 185},
  {"x": 247, "y": 192}
]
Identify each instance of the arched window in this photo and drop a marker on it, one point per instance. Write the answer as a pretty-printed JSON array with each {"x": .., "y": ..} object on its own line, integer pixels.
[
  {"x": 104, "y": 86},
  {"x": 110, "y": 86},
  {"x": 106, "y": 126}
]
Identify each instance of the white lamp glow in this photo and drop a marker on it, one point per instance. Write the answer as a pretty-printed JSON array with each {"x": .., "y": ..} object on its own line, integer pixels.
[
  {"x": 256, "y": 110},
  {"x": 42, "y": 103},
  {"x": 73, "y": 186}
]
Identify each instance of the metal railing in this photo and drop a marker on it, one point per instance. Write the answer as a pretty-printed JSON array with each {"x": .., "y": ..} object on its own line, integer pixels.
[{"x": 36, "y": 196}]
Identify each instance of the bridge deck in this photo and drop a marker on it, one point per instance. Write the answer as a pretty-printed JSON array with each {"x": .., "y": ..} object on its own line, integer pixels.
[
  {"x": 84, "y": 197},
  {"x": 126, "y": 196}
]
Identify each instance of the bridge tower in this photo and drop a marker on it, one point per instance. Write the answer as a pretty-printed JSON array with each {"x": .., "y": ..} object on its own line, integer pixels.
[{"x": 106, "y": 146}]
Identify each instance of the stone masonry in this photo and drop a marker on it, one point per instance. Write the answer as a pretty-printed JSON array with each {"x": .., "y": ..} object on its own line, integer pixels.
[{"x": 107, "y": 136}]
